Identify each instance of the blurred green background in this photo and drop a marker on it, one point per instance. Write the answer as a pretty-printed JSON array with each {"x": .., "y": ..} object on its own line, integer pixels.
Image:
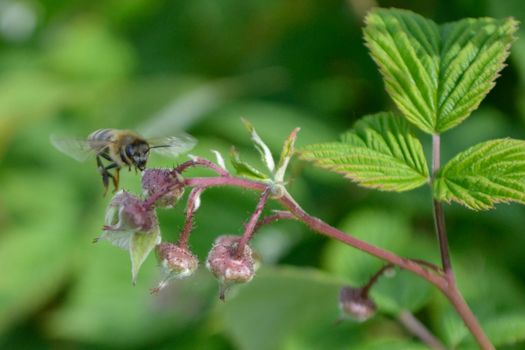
[{"x": 70, "y": 67}]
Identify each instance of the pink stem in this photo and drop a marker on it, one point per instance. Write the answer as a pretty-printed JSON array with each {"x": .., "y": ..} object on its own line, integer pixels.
[
  {"x": 442, "y": 282},
  {"x": 321, "y": 227},
  {"x": 190, "y": 211},
  {"x": 203, "y": 163},
  {"x": 250, "y": 227},
  {"x": 276, "y": 216}
]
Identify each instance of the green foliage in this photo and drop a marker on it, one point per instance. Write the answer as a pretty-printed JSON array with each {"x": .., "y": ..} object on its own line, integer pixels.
[
  {"x": 506, "y": 329},
  {"x": 437, "y": 74},
  {"x": 142, "y": 243},
  {"x": 282, "y": 308},
  {"x": 496, "y": 298},
  {"x": 286, "y": 155},
  {"x": 296, "y": 307},
  {"x": 243, "y": 168},
  {"x": 488, "y": 173},
  {"x": 102, "y": 309},
  {"x": 162, "y": 67},
  {"x": 36, "y": 257},
  {"x": 262, "y": 148},
  {"x": 379, "y": 152},
  {"x": 390, "y": 344}
]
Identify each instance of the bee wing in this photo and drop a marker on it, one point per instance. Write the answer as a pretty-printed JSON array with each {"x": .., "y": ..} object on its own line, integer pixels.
[
  {"x": 77, "y": 149},
  {"x": 172, "y": 146}
]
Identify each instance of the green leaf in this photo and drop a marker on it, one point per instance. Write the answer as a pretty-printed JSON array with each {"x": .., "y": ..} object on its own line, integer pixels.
[
  {"x": 279, "y": 301},
  {"x": 262, "y": 148},
  {"x": 102, "y": 309},
  {"x": 488, "y": 173},
  {"x": 243, "y": 168},
  {"x": 38, "y": 243},
  {"x": 380, "y": 152},
  {"x": 497, "y": 295},
  {"x": 506, "y": 330},
  {"x": 437, "y": 74},
  {"x": 286, "y": 155},
  {"x": 390, "y": 344},
  {"x": 142, "y": 243}
]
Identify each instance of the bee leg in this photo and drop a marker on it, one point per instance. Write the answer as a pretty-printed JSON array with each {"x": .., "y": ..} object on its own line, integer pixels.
[
  {"x": 114, "y": 177},
  {"x": 105, "y": 181},
  {"x": 105, "y": 175}
]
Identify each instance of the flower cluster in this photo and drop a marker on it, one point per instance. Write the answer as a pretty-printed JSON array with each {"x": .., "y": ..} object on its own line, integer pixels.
[{"x": 131, "y": 223}]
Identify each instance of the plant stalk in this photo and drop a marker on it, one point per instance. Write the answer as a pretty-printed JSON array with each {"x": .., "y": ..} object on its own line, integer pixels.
[
  {"x": 252, "y": 223},
  {"x": 321, "y": 227},
  {"x": 190, "y": 211},
  {"x": 444, "y": 282},
  {"x": 276, "y": 216},
  {"x": 439, "y": 217},
  {"x": 374, "y": 279},
  {"x": 451, "y": 290},
  {"x": 414, "y": 326}
]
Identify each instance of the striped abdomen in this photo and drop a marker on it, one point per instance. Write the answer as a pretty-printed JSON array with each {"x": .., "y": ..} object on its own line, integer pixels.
[
  {"x": 101, "y": 135},
  {"x": 100, "y": 139}
]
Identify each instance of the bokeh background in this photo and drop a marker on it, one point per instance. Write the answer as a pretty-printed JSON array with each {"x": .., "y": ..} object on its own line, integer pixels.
[{"x": 70, "y": 67}]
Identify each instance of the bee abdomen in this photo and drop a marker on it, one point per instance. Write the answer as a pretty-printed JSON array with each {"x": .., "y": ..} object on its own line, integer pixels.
[{"x": 101, "y": 135}]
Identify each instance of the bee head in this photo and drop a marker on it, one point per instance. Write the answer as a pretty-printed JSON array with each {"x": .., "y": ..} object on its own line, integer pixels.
[{"x": 138, "y": 153}]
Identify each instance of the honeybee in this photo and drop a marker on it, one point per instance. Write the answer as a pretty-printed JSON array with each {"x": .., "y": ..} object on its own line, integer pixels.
[{"x": 120, "y": 148}]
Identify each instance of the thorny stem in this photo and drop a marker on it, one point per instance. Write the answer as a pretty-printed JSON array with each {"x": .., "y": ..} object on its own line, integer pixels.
[
  {"x": 320, "y": 226},
  {"x": 450, "y": 288},
  {"x": 197, "y": 161},
  {"x": 444, "y": 282},
  {"x": 190, "y": 211},
  {"x": 252, "y": 223},
  {"x": 276, "y": 216},
  {"x": 284, "y": 214}
]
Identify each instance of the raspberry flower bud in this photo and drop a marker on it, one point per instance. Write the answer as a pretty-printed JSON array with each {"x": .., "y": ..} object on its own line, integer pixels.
[
  {"x": 131, "y": 225},
  {"x": 165, "y": 183},
  {"x": 175, "y": 263},
  {"x": 227, "y": 266},
  {"x": 127, "y": 212},
  {"x": 355, "y": 304}
]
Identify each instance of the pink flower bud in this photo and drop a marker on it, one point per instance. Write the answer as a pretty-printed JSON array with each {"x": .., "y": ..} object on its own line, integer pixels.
[
  {"x": 227, "y": 266},
  {"x": 166, "y": 183},
  {"x": 175, "y": 263},
  {"x": 355, "y": 305},
  {"x": 127, "y": 212}
]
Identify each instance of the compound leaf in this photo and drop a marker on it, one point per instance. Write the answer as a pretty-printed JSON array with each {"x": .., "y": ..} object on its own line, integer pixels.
[{"x": 437, "y": 74}]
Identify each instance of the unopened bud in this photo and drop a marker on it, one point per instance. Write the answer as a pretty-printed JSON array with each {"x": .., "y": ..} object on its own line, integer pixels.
[
  {"x": 175, "y": 263},
  {"x": 163, "y": 181},
  {"x": 229, "y": 267},
  {"x": 355, "y": 305},
  {"x": 127, "y": 212}
]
